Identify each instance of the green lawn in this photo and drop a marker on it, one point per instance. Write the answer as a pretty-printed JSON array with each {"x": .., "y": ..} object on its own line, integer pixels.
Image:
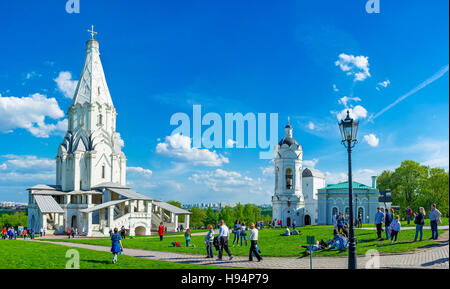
[
  {"x": 17, "y": 254},
  {"x": 272, "y": 244}
]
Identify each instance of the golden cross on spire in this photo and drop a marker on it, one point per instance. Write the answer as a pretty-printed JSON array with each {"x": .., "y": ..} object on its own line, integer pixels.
[{"x": 92, "y": 32}]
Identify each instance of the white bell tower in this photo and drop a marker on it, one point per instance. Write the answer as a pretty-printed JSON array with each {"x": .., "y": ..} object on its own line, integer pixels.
[{"x": 288, "y": 202}]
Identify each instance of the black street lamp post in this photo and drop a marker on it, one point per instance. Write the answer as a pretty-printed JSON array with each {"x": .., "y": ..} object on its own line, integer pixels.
[{"x": 349, "y": 128}]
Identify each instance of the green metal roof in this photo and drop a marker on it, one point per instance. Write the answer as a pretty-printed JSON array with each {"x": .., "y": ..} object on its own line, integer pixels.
[{"x": 344, "y": 185}]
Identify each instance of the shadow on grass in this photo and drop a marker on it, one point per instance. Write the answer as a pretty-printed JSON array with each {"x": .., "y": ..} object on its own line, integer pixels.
[{"x": 98, "y": 261}]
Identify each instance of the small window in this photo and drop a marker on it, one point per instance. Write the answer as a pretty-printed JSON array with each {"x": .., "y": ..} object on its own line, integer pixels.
[
  {"x": 289, "y": 179},
  {"x": 103, "y": 172},
  {"x": 98, "y": 90},
  {"x": 100, "y": 119}
]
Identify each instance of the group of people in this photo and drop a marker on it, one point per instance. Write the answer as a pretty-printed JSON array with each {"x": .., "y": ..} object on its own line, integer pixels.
[
  {"x": 72, "y": 232},
  {"x": 339, "y": 242},
  {"x": 287, "y": 232},
  {"x": 12, "y": 234},
  {"x": 240, "y": 233},
  {"x": 392, "y": 224}
]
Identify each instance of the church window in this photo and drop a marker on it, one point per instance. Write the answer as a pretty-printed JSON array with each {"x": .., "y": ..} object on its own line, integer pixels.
[
  {"x": 347, "y": 211},
  {"x": 276, "y": 177},
  {"x": 100, "y": 119},
  {"x": 289, "y": 179},
  {"x": 103, "y": 171},
  {"x": 335, "y": 211},
  {"x": 98, "y": 90},
  {"x": 361, "y": 213}
]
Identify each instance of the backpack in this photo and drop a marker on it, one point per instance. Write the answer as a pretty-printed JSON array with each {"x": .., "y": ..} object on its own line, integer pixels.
[{"x": 438, "y": 216}]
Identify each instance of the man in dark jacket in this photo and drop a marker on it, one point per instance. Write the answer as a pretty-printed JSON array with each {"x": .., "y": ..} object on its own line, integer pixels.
[{"x": 387, "y": 223}]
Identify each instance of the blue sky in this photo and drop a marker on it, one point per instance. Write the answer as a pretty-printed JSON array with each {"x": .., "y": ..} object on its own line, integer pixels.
[{"x": 297, "y": 59}]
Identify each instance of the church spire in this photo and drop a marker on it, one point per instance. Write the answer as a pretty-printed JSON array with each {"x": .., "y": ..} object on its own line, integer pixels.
[
  {"x": 92, "y": 87},
  {"x": 288, "y": 129}
]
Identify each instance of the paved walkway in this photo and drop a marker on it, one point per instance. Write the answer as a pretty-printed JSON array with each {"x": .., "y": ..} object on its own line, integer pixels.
[
  {"x": 434, "y": 257},
  {"x": 444, "y": 227}
]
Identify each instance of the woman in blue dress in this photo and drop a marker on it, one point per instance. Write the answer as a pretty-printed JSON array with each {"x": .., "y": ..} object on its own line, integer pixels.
[{"x": 116, "y": 247}]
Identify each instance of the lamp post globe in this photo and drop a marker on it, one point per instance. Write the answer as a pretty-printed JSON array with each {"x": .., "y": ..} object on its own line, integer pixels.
[{"x": 349, "y": 129}]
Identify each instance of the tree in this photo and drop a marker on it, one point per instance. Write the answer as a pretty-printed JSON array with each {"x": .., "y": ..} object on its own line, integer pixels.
[
  {"x": 227, "y": 215},
  {"x": 176, "y": 204},
  {"x": 211, "y": 217},
  {"x": 238, "y": 211},
  {"x": 407, "y": 181},
  {"x": 13, "y": 220},
  {"x": 436, "y": 190},
  {"x": 197, "y": 218},
  {"x": 384, "y": 180}
]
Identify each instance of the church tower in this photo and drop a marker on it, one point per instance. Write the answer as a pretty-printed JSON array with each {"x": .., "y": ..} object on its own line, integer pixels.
[
  {"x": 91, "y": 153},
  {"x": 288, "y": 202}
]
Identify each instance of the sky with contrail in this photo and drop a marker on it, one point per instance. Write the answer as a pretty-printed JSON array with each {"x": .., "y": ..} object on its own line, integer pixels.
[{"x": 430, "y": 80}]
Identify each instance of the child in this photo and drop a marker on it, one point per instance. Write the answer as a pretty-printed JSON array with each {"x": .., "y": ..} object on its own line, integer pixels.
[
  {"x": 209, "y": 239},
  {"x": 116, "y": 246},
  {"x": 395, "y": 227},
  {"x": 187, "y": 236}
]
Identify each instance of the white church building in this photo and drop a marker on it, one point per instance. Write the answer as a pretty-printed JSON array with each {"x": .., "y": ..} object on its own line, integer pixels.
[
  {"x": 91, "y": 193},
  {"x": 301, "y": 194}
]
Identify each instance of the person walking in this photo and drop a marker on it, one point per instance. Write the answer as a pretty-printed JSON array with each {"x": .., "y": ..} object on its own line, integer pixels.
[
  {"x": 209, "y": 239},
  {"x": 408, "y": 214},
  {"x": 387, "y": 224},
  {"x": 122, "y": 232},
  {"x": 236, "y": 232},
  {"x": 419, "y": 220},
  {"x": 223, "y": 240},
  {"x": 243, "y": 234},
  {"x": 161, "y": 231},
  {"x": 41, "y": 231},
  {"x": 116, "y": 245},
  {"x": 379, "y": 216},
  {"x": 69, "y": 232},
  {"x": 24, "y": 234},
  {"x": 253, "y": 237},
  {"x": 293, "y": 224},
  {"x": 396, "y": 226},
  {"x": 435, "y": 220}
]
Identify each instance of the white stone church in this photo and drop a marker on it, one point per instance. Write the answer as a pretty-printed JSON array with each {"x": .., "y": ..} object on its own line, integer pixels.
[
  {"x": 296, "y": 189},
  {"x": 303, "y": 195},
  {"x": 90, "y": 193}
]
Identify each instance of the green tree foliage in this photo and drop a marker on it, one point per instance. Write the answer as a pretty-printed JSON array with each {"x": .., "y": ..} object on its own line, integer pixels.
[
  {"x": 416, "y": 185},
  {"x": 16, "y": 219},
  {"x": 197, "y": 218},
  {"x": 227, "y": 215},
  {"x": 211, "y": 217},
  {"x": 176, "y": 204}
]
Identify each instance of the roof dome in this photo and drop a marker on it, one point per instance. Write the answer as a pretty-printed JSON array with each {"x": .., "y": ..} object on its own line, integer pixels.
[{"x": 288, "y": 141}]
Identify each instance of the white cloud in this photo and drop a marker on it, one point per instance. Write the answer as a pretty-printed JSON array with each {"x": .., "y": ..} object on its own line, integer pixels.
[
  {"x": 140, "y": 171},
  {"x": 66, "y": 84},
  {"x": 358, "y": 66},
  {"x": 230, "y": 143},
  {"x": 3, "y": 167},
  {"x": 268, "y": 171},
  {"x": 383, "y": 84},
  {"x": 221, "y": 180},
  {"x": 371, "y": 139},
  {"x": 310, "y": 163},
  {"x": 357, "y": 112},
  {"x": 344, "y": 100},
  {"x": 335, "y": 88},
  {"x": 179, "y": 147},
  {"x": 32, "y": 75},
  {"x": 363, "y": 176},
  {"x": 28, "y": 163},
  {"x": 29, "y": 113},
  {"x": 311, "y": 125}
]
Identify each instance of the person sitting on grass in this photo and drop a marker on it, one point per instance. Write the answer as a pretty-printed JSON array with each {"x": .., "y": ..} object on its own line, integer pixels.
[
  {"x": 187, "y": 236},
  {"x": 345, "y": 230},
  {"x": 295, "y": 232},
  {"x": 395, "y": 227},
  {"x": 335, "y": 237},
  {"x": 340, "y": 242},
  {"x": 286, "y": 232},
  {"x": 116, "y": 245}
]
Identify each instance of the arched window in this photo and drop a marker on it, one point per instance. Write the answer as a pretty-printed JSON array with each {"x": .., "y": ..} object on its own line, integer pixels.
[
  {"x": 347, "y": 212},
  {"x": 289, "y": 179},
  {"x": 361, "y": 213},
  {"x": 276, "y": 177},
  {"x": 334, "y": 211}
]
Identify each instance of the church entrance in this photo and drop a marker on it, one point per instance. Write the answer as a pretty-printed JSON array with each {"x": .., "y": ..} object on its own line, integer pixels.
[
  {"x": 288, "y": 221},
  {"x": 74, "y": 221},
  {"x": 139, "y": 231},
  {"x": 307, "y": 220}
]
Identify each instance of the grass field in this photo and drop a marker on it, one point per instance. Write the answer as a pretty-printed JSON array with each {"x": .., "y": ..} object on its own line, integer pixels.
[
  {"x": 17, "y": 254},
  {"x": 272, "y": 244}
]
